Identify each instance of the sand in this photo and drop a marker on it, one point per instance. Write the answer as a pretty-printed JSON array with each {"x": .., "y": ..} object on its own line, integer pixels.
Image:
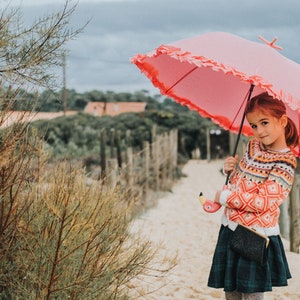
[{"x": 180, "y": 227}]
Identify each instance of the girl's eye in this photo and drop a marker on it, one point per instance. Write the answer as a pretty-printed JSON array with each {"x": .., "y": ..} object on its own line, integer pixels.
[
  {"x": 264, "y": 123},
  {"x": 253, "y": 126}
]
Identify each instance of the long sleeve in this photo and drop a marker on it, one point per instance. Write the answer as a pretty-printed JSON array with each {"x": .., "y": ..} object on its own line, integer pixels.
[
  {"x": 260, "y": 186},
  {"x": 253, "y": 197}
]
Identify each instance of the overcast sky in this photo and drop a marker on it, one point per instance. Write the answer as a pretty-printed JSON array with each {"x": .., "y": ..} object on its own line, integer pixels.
[{"x": 99, "y": 59}]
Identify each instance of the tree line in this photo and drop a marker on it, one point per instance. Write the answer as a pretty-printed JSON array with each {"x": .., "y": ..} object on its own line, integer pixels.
[
  {"x": 50, "y": 100},
  {"x": 79, "y": 135}
]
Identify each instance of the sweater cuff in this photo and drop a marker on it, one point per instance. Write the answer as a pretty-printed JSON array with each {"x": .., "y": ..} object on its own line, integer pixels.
[
  {"x": 223, "y": 197},
  {"x": 223, "y": 171}
]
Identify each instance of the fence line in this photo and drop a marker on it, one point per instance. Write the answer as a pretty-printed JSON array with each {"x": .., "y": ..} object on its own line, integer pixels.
[{"x": 153, "y": 169}]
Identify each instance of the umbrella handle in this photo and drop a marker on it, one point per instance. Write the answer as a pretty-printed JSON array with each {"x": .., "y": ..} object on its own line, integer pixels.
[{"x": 209, "y": 205}]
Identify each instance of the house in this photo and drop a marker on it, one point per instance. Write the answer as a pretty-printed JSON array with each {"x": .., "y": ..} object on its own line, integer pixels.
[
  {"x": 93, "y": 108},
  {"x": 113, "y": 108}
]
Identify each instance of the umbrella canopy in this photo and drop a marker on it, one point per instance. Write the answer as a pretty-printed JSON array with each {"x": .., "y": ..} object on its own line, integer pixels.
[{"x": 212, "y": 73}]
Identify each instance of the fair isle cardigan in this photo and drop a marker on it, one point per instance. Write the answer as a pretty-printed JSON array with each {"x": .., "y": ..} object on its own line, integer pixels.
[{"x": 258, "y": 186}]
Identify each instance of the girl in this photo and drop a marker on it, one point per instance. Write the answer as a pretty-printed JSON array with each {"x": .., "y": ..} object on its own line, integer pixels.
[{"x": 258, "y": 186}]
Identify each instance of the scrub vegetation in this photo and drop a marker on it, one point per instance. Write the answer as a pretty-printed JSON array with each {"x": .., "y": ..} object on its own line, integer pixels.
[{"x": 61, "y": 236}]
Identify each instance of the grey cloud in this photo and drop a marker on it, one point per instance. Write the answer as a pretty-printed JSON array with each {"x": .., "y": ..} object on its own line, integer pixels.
[{"x": 100, "y": 57}]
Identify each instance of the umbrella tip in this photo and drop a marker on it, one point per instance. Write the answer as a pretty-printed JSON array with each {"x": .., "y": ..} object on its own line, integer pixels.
[{"x": 271, "y": 43}]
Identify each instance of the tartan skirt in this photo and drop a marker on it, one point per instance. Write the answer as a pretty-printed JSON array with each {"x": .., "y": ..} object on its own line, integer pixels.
[{"x": 232, "y": 272}]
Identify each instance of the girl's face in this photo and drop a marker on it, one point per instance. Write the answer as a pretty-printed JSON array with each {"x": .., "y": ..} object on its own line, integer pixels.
[{"x": 270, "y": 131}]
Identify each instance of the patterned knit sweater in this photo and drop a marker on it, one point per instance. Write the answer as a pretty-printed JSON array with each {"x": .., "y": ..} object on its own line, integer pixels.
[{"x": 260, "y": 184}]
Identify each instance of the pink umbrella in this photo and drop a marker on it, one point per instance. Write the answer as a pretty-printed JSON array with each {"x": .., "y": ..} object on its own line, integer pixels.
[
  {"x": 212, "y": 74},
  {"x": 216, "y": 73}
]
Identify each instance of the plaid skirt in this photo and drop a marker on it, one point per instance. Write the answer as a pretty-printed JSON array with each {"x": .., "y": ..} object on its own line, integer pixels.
[{"x": 232, "y": 272}]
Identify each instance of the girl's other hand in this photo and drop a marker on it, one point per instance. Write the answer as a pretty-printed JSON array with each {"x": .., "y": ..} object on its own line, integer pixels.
[
  {"x": 217, "y": 196},
  {"x": 230, "y": 163}
]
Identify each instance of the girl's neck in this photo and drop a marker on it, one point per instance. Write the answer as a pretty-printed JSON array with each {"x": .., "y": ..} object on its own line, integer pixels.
[{"x": 283, "y": 148}]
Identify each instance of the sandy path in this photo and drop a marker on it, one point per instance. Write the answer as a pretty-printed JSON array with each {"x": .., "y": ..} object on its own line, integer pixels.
[{"x": 180, "y": 226}]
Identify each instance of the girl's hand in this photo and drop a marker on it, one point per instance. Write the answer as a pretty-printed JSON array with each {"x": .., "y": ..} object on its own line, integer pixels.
[
  {"x": 217, "y": 196},
  {"x": 230, "y": 163}
]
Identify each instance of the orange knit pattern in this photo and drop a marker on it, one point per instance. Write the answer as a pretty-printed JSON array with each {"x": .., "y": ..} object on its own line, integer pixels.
[{"x": 260, "y": 185}]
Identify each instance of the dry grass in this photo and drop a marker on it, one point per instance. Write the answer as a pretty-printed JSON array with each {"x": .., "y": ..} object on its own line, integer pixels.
[{"x": 67, "y": 239}]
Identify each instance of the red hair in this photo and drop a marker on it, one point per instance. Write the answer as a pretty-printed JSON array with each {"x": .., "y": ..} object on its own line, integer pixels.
[{"x": 277, "y": 109}]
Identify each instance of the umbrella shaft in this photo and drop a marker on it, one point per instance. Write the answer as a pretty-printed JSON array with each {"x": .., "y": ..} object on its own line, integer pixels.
[{"x": 240, "y": 130}]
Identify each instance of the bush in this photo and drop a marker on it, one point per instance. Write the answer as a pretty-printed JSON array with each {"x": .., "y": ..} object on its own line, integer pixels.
[{"x": 72, "y": 241}]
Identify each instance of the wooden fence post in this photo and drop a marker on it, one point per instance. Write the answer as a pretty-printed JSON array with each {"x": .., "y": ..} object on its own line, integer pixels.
[
  {"x": 284, "y": 220},
  {"x": 155, "y": 158},
  {"x": 208, "y": 153},
  {"x": 112, "y": 143},
  {"x": 174, "y": 151},
  {"x": 128, "y": 138},
  {"x": 294, "y": 215},
  {"x": 164, "y": 160},
  {"x": 102, "y": 153},
  {"x": 146, "y": 169},
  {"x": 112, "y": 173},
  {"x": 118, "y": 145},
  {"x": 129, "y": 167}
]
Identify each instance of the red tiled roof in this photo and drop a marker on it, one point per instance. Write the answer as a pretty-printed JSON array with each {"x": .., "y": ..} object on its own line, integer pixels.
[
  {"x": 113, "y": 108},
  {"x": 94, "y": 108}
]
